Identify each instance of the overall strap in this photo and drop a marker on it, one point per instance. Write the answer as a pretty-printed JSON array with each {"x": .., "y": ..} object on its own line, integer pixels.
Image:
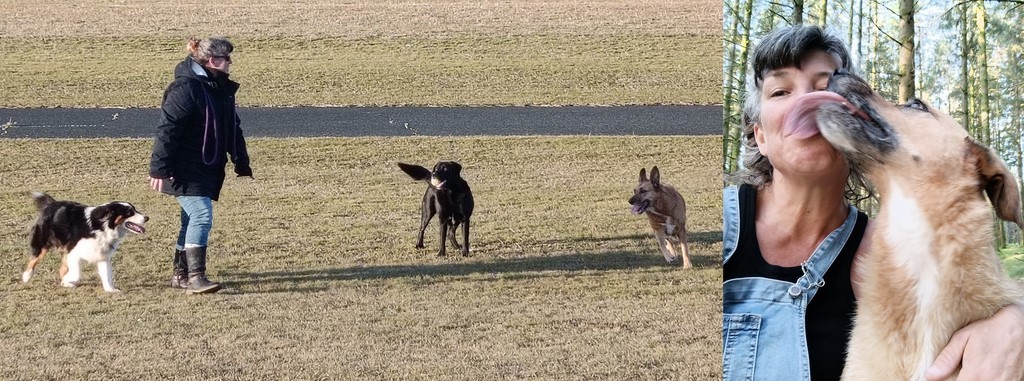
[
  {"x": 814, "y": 267},
  {"x": 730, "y": 221}
]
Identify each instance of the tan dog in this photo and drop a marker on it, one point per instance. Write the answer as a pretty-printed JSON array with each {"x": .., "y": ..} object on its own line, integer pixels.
[
  {"x": 666, "y": 211},
  {"x": 931, "y": 268}
]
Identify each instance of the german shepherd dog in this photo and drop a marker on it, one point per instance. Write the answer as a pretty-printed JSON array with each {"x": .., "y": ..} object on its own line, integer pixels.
[
  {"x": 666, "y": 211},
  {"x": 448, "y": 196},
  {"x": 931, "y": 268}
]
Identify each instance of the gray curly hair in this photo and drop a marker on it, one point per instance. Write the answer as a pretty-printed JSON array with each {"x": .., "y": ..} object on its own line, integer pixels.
[
  {"x": 781, "y": 48},
  {"x": 202, "y": 50}
]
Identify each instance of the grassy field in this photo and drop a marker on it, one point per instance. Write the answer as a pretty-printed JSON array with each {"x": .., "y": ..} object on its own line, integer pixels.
[
  {"x": 98, "y": 53},
  {"x": 323, "y": 281}
]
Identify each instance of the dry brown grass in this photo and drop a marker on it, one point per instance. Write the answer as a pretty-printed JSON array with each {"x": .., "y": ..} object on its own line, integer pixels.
[
  {"x": 358, "y": 19},
  {"x": 564, "y": 283},
  {"x": 121, "y": 54}
]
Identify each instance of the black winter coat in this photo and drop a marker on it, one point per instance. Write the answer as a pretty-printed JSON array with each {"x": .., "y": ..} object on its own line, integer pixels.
[{"x": 199, "y": 129}]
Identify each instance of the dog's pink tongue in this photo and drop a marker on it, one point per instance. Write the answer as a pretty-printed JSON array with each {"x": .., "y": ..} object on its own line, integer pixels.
[
  {"x": 799, "y": 122},
  {"x": 637, "y": 209}
]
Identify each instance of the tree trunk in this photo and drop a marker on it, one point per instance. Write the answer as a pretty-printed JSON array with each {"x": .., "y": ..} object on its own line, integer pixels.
[
  {"x": 823, "y": 13},
  {"x": 965, "y": 79},
  {"x": 728, "y": 83},
  {"x": 798, "y": 12},
  {"x": 860, "y": 28},
  {"x": 870, "y": 63},
  {"x": 1017, "y": 107},
  {"x": 849, "y": 29},
  {"x": 906, "y": 40},
  {"x": 983, "y": 96},
  {"x": 736, "y": 85}
]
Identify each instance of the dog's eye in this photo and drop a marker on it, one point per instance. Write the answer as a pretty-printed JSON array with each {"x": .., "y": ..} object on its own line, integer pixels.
[{"x": 916, "y": 104}]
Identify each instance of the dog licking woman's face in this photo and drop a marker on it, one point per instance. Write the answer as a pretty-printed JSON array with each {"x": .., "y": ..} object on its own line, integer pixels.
[{"x": 791, "y": 141}]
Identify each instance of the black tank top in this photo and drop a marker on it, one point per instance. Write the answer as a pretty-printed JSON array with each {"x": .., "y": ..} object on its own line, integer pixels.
[{"x": 830, "y": 312}]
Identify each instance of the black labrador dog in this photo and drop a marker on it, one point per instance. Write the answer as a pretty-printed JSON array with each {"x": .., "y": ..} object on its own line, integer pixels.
[{"x": 449, "y": 197}]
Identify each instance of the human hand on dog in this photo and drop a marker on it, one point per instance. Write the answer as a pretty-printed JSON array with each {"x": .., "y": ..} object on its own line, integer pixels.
[{"x": 988, "y": 349}]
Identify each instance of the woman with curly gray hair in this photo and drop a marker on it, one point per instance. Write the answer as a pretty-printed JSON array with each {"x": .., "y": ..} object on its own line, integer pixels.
[
  {"x": 792, "y": 241},
  {"x": 199, "y": 131}
]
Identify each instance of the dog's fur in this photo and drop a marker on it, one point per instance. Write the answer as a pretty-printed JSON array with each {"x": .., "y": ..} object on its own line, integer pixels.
[
  {"x": 85, "y": 233},
  {"x": 931, "y": 268},
  {"x": 666, "y": 211},
  {"x": 448, "y": 196}
]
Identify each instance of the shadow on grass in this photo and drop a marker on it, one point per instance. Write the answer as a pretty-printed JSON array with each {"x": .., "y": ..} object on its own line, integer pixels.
[
  {"x": 694, "y": 237},
  {"x": 512, "y": 268}
]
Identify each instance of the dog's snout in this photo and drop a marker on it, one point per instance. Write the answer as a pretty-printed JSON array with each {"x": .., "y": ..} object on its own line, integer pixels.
[
  {"x": 844, "y": 82},
  {"x": 145, "y": 218}
]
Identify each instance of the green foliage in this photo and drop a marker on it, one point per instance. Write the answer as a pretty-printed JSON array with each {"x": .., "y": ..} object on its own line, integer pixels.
[{"x": 1013, "y": 260}]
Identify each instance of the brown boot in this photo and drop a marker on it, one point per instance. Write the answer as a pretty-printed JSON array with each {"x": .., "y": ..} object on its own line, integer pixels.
[
  {"x": 197, "y": 282},
  {"x": 180, "y": 277}
]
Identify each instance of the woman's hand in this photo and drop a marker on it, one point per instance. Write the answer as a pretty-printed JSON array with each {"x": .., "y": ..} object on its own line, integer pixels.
[
  {"x": 990, "y": 349},
  {"x": 158, "y": 184}
]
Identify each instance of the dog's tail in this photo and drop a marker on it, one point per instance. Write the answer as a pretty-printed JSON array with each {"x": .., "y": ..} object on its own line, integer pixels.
[
  {"x": 42, "y": 200},
  {"x": 415, "y": 171}
]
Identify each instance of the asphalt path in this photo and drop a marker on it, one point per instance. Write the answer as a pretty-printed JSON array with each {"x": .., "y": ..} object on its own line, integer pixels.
[{"x": 378, "y": 121}]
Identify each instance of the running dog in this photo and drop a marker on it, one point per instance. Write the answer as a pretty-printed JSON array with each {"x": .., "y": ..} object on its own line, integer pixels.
[
  {"x": 449, "y": 197},
  {"x": 666, "y": 211},
  {"x": 85, "y": 233},
  {"x": 931, "y": 267}
]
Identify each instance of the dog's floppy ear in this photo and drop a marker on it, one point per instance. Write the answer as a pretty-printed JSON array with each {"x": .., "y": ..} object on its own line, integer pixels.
[
  {"x": 655, "y": 177},
  {"x": 999, "y": 184},
  {"x": 100, "y": 214},
  {"x": 415, "y": 171},
  {"x": 643, "y": 175},
  {"x": 456, "y": 167}
]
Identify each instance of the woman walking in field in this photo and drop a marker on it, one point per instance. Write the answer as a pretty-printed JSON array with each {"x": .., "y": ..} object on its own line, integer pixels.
[{"x": 198, "y": 131}]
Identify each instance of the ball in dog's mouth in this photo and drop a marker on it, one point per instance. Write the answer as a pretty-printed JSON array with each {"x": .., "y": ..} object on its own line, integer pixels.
[
  {"x": 641, "y": 207},
  {"x": 134, "y": 228}
]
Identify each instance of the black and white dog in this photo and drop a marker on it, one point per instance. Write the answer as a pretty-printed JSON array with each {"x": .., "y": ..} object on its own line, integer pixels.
[{"x": 86, "y": 233}]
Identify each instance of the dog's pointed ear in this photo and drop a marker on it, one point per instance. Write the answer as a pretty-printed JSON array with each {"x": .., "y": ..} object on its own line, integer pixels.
[
  {"x": 655, "y": 177},
  {"x": 999, "y": 183},
  {"x": 643, "y": 175},
  {"x": 457, "y": 167},
  {"x": 415, "y": 171}
]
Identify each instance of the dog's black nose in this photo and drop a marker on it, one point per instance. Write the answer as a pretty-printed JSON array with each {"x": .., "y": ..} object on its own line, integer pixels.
[{"x": 145, "y": 219}]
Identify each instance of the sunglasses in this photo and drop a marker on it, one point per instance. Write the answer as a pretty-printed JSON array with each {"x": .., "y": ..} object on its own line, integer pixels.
[{"x": 226, "y": 58}]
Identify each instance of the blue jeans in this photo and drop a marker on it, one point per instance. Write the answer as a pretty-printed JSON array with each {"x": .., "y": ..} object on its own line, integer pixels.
[{"x": 196, "y": 221}]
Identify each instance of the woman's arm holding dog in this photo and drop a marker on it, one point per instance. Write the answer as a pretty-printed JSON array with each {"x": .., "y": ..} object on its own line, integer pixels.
[{"x": 988, "y": 349}]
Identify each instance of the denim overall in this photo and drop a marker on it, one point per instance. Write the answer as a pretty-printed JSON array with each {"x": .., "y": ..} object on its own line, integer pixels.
[{"x": 763, "y": 320}]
